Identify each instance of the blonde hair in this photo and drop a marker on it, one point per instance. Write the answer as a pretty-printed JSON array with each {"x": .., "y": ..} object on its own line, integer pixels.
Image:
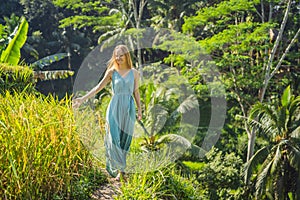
[{"x": 112, "y": 62}]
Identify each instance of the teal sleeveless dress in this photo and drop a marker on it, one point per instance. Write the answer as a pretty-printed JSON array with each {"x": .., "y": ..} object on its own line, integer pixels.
[{"x": 120, "y": 119}]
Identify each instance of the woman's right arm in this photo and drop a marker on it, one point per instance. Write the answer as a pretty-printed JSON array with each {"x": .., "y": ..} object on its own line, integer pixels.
[{"x": 106, "y": 79}]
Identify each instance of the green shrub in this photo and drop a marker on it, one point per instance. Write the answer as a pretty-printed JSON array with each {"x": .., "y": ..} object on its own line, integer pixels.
[
  {"x": 41, "y": 154},
  {"x": 221, "y": 176},
  {"x": 83, "y": 186},
  {"x": 16, "y": 78},
  {"x": 166, "y": 183},
  {"x": 194, "y": 166}
]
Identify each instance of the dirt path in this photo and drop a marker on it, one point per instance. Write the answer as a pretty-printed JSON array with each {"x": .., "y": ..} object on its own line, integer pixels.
[{"x": 107, "y": 191}]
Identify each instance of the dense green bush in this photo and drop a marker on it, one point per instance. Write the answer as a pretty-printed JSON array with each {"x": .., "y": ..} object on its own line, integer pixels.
[
  {"x": 220, "y": 176},
  {"x": 41, "y": 154},
  {"x": 166, "y": 183},
  {"x": 16, "y": 78}
]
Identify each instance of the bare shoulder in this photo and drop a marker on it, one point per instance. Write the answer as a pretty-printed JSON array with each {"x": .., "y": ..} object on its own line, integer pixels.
[
  {"x": 136, "y": 72},
  {"x": 110, "y": 72}
]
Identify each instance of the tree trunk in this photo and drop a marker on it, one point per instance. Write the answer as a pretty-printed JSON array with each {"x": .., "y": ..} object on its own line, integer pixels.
[
  {"x": 252, "y": 136},
  {"x": 262, "y": 11},
  {"x": 138, "y": 13},
  {"x": 274, "y": 49},
  {"x": 251, "y": 142}
]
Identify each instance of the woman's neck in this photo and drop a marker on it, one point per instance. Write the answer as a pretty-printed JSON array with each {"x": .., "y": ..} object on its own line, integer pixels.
[{"x": 122, "y": 67}]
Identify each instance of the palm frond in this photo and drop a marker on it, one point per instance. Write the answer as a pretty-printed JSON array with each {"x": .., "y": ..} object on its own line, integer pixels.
[
  {"x": 157, "y": 117},
  {"x": 294, "y": 105},
  {"x": 179, "y": 144},
  {"x": 277, "y": 159},
  {"x": 296, "y": 131},
  {"x": 278, "y": 186},
  {"x": 174, "y": 138},
  {"x": 182, "y": 141},
  {"x": 294, "y": 157},
  {"x": 256, "y": 159},
  {"x": 160, "y": 92},
  {"x": 294, "y": 128},
  {"x": 265, "y": 126},
  {"x": 262, "y": 177},
  {"x": 190, "y": 103},
  {"x": 282, "y": 119},
  {"x": 172, "y": 93},
  {"x": 259, "y": 110}
]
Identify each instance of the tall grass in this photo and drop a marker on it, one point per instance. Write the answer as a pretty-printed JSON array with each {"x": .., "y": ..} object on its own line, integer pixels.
[
  {"x": 16, "y": 78},
  {"x": 164, "y": 183},
  {"x": 40, "y": 150}
]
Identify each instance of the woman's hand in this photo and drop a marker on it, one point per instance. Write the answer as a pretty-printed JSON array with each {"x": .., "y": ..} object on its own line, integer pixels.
[
  {"x": 77, "y": 102},
  {"x": 139, "y": 115}
]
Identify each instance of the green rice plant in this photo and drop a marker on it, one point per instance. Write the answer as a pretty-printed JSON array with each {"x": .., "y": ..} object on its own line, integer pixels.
[
  {"x": 41, "y": 152},
  {"x": 16, "y": 79},
  {"x": 165, "y": 183}
]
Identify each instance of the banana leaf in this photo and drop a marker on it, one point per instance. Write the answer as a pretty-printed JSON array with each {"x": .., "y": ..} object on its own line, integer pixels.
[
  {"x": 49, "y": 60},
  {"x": 12, "y": 53}
]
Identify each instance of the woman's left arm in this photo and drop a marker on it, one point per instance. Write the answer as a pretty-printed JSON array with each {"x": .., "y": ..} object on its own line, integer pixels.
[{"x": 136, "y": 93}]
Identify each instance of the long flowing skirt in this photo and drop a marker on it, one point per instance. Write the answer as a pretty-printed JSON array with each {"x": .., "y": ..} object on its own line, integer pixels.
[{"x": 120, "y": 120}]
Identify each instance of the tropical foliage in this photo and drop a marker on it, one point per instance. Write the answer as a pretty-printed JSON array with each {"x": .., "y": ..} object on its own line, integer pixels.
[
  {"x": 280, "y": 160},
  {"x": 16, "y": 79},
  {"x": 11, "y": 53},
  {"x": 219, "y": 177},
  {"x": 244, "y": 52},
  {"x": 42, "y": 156},
  {"x": 161, "y": 91},
  {"x": 165, "y": 183}
]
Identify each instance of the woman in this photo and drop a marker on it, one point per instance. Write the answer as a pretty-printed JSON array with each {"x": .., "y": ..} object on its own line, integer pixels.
[{"x": 120, "y": 114}]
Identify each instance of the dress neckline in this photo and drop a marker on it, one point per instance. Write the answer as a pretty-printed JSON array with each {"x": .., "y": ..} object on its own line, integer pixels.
[{"x": 125, "y": 75}]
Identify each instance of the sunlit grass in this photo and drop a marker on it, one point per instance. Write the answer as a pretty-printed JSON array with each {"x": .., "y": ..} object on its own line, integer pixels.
[
  {"x": 194, "y": 166},
  {"x": 151, "y": 175},
  {"x": 41, "y": 152},
  {"x": 91, "y": 128},
  {"x": 163, "y": 183}
]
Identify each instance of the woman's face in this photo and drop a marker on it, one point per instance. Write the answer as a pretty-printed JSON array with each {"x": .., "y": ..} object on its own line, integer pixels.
[{"x": 120, "y": 57}]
